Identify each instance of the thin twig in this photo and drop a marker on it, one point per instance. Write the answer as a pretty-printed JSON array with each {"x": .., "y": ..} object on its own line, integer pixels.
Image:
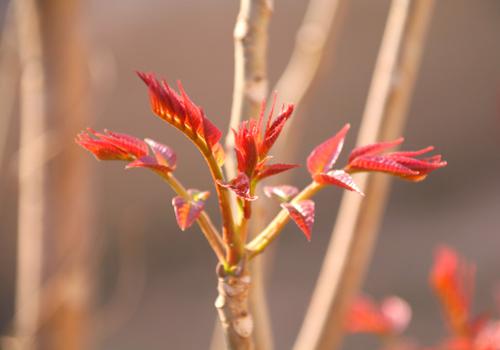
[
  {"x": 249, "y": 91},
  {"x": 250, "y": 68},
  {"x": 32, "y": 176},
  {"x": 319, "y": 27},
  {"x": 358, "y": 220}
]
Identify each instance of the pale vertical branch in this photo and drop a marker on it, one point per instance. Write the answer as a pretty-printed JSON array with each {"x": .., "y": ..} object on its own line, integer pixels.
[
  {"x": 67, "y": 59},
  {"x": 249, "y": 91},
  {"x": 320, "y": 23},
  {"x": 355, "y": 231},
  {"x": 250, "y": 67},
  {"x": 32, "y": 173}
]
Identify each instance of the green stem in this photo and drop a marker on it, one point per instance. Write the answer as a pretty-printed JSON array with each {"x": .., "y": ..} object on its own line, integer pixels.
[{"x": 272, "y": 231}]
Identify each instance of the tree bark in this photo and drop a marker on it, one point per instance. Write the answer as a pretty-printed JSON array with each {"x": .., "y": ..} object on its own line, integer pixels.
[{"x": 233, "y": 309}]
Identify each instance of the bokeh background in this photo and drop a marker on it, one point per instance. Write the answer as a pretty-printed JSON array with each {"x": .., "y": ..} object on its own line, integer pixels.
[{"x": 155, "y": 286}]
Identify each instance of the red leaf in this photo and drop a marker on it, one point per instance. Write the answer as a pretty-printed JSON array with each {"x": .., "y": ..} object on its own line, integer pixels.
[
  {"x": 303, "y": 214},
  {"x": 164, "y": 155},
  {"x": 338, "y": 178},
  {"x": 127, "y": 143},
  {"x": 240, "y": 185},
  {"x": 324, "y": 156},
  {"x": 373, "y": 148},
  {"x": 412, "y": 153},
  {"x": 273, "y": 130},
  {"x": 380, "y": 163},
  {"x": 149, "y": 162},
  {"x": 188, "y": 211},
  {"x": 402, "y": 163},
  {"x": 194, "y": 116},
  {"x": 211, "y": 132},
  {"x": 273, "y": 169},
  {"x": 245, "y": 147},
  {"x": 421, "y": 165},
  {"x": 283, "y": 192},
  {"x": 103, "y": 148}
]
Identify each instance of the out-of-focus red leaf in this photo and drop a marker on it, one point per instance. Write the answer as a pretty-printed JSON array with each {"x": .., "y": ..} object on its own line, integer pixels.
[
  {"x": 164, "y": 155},
  {"x": 391, "y": 317},
  {"x": 324, "y": 156},
  {"x": 452, "y": 279},
  {"x": 338, "y": 178},
  {"x": 303, "y": 214},
  {"x": 274, "y": 169},
  {"x": 188, "y": 211},
  {"x": 240, "y": 185},
  {"x": 364, "y": 316},
  {"x": 283, "y": 192},
  {"x": 373, "y": 148}
]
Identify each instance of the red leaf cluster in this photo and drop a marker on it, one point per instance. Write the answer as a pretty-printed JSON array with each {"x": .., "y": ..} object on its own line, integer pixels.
[
  {"x": 252, "y": 144},
  {"x": 180, "y": 111}
]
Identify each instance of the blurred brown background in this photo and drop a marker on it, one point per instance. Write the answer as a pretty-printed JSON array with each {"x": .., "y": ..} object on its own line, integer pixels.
[{"x": 166, "y": 302}]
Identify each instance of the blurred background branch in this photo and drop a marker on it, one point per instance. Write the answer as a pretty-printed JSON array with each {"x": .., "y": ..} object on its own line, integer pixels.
[
  {"x": 69, "y": 186},
  {"x": 359, "y": 218},
  {"x": 32, "y": 173},
  {"x": 319, "y": 26}
]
